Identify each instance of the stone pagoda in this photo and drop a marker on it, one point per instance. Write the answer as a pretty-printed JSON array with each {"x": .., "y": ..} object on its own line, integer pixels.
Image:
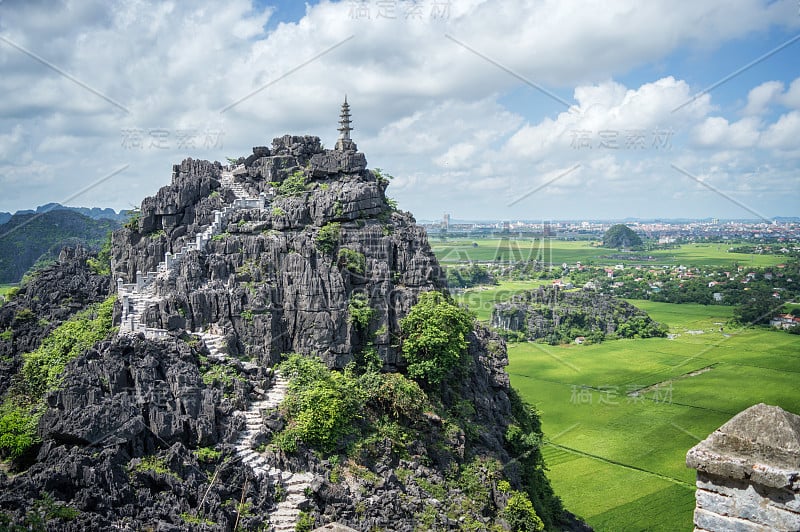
[{"x": 345, "y": 143}]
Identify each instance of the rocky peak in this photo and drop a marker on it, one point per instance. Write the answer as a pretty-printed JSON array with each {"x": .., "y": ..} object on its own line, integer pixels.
[{"x": 280, "y": 277}]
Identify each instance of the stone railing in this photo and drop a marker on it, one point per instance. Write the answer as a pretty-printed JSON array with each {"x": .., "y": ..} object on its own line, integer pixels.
[{"x": 748, "y": 473}]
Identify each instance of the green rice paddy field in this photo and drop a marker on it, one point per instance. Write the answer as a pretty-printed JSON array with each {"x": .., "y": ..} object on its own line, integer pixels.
[
  {"x": 559, "y": 251},
  {"x": 617, "y": 460}
]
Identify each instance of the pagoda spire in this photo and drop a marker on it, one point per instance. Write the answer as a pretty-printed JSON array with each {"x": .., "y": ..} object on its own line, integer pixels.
[{"x": 344, "y": 143}]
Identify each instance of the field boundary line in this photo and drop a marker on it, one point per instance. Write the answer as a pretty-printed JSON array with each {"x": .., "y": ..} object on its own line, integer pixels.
[{"x": 620, "y": 464}]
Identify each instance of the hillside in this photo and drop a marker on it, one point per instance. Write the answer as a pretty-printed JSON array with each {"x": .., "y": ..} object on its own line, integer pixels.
[
  {"x": 394, "y": 413},
  {"x": 27, "y": 238},
  {"x": 621, "y": 236}
]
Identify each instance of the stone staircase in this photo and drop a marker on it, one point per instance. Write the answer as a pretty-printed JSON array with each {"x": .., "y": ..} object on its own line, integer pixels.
[{"x": 136, "y": 297}]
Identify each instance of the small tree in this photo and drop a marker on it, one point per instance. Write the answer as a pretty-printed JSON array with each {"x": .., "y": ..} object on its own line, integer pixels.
[{"x": 435, "y": 334}]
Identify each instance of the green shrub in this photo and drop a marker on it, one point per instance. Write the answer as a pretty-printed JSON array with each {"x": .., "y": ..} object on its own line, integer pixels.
[
  {"x": 520, "y": 514},
  {"x": 293, "y": 185},
  {"x": 352, "y": 260},
  {"x": 7, "y": 335},
  {"x": 24, "y": 314},
  {"x": 225, "y": 375},
  {"x": 360, "y": 311},
  {"x": 247, "y": 315},
  {"x": 435, "y": 332},
  {"x": 154, "y": 464},
  {"x": 207, "y": 454},
  {"x": 328, "y": 237},
  {"x": 102, "y": 264},
  {"x": 42, "y": 369},
  {"x": 305, "y": 522},
  {"x": 321, "y": 405},
  {"x": 17, "y": 428},
  {"x": 196, "y": 520},
  {"x": 399, "y": 397},
  {"x": 133, "y": 221},
  {"x": 277, "y": 211}
]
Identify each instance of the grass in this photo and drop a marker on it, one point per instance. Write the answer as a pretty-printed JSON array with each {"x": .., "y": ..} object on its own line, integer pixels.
[
  {"x": 560, "y": 251},
  {"x": 618, "y": 461}
]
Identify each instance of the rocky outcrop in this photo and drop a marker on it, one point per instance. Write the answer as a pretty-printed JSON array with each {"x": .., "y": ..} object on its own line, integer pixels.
[
  {"x": 748, "y": 473},
  {"x": 268, "y": 277},
  {"x": 123, "y": 443},
  {"x": 560, "y": 316}
]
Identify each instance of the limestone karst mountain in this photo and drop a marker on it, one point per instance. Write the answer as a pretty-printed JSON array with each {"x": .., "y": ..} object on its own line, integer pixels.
[{"x": 178, "y": 420}]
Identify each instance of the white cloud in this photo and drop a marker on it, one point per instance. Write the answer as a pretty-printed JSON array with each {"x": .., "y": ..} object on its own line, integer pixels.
[
  {"x": 759, "y": 98},
  {"x": 425, "y": 108}
]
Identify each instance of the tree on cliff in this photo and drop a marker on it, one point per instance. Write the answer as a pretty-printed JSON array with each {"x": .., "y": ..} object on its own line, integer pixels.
[
  {"x": 435, "y": 332},
  {"x": 621, "y": 236}
]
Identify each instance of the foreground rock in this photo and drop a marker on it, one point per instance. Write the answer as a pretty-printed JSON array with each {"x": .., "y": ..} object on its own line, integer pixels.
[{"x": 748, "y": 473}]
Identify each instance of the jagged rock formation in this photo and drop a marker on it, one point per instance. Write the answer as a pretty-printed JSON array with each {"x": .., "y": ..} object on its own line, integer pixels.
[
  {"x": 560, "y": 316},
  {"x": 169, "y": 424},
  {"x": 266, "y": 277}
]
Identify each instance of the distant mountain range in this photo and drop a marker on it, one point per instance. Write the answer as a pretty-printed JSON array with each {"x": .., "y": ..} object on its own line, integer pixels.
[
  {"x": 28, "y": 237},
  {"x": 95, "y": 213}
]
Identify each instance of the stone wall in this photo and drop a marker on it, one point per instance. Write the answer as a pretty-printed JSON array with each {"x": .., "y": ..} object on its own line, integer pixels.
[{"x": 748, "y": 473}]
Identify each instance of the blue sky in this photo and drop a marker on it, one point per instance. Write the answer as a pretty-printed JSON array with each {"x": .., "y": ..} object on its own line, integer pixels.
[{"x": 464, "y": 102}]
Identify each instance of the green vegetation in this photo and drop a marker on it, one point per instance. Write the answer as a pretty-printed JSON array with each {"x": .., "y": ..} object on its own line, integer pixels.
[
  {"x": 102, "y": 264},
  {"x": 434, "y": 340},
  {"x": 520, "y": 514},
  {"x": 30, "y": 242},
  {"x": 207, "y": 454},
  {"x": 360, "y": 313},
  {"x": 221, "y": 374},
  {"x": 305, "y": 522},
  {"x": 196, "y": 520},
  {"x": 220, "y": 236},
  {"x": 153, "y": 464},
  {"x": 42, "y": 371},
  {"x": 604, "y": 440},
  {"x": 461, "y": 251},
  {"x": 621, "y": 236},
  {"x": 482, "y": 299},
  {"x": 328, "y": 237},
  {"x": 133, "y": 220},
  {"x": 7, "y": 292},
  {"x": 277, "y": 211},
  {"x": 382, "y": 177},
  {"x": 293, "y": 185},
  {"x": 468, "y": 276},
  {"x": 322, "y": 405},
  {"x": 352, "y": 260}
]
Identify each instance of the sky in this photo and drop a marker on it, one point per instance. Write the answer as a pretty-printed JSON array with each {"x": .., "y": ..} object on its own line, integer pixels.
[{"x": 483, "y": 109}]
